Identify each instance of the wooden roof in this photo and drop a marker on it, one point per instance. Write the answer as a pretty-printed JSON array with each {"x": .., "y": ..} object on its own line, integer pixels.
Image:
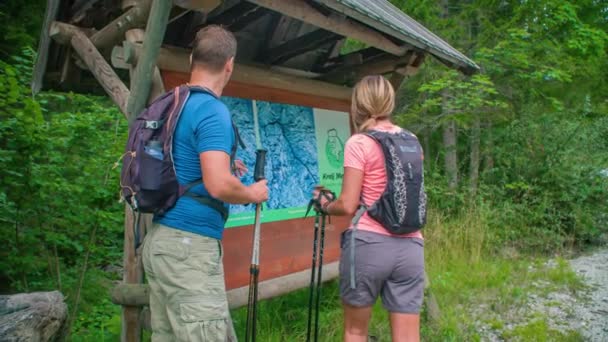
[{"x": 301, "y": 38}]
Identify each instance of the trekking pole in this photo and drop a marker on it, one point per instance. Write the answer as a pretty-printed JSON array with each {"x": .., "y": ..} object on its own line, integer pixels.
[
  {"x": 312, "y": 271},
  {"x": 319, "y": 275},
  {"x": 254, "y": 269},
  {"x": 320, "y": 217}
]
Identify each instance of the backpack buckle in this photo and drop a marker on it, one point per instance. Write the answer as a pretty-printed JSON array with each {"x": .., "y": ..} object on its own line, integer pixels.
[{"x": 152, "y": 124}]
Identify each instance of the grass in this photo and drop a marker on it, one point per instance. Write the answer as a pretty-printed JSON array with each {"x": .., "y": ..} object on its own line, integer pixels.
[
  {"x": 473, "y": 283},
  {"x": 538, "y": 330},
  {"x": 465, "y": 276}
]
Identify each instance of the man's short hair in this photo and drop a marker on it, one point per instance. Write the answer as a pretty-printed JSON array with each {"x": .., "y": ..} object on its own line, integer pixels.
[{"x": 213, "y": 47}]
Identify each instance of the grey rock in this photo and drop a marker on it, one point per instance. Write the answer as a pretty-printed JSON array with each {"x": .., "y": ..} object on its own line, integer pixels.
[{"x": 35, "y": 317}]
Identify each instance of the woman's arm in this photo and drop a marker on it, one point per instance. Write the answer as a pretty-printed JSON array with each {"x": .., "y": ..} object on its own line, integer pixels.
[{"x": 350, "y": 196}]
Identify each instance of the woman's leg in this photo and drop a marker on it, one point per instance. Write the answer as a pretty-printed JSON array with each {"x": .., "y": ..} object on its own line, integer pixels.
[
  {"x": 356, "y": 322},
  {"x": 405, "y": 327},
  {"x": 403, "y": 291}
]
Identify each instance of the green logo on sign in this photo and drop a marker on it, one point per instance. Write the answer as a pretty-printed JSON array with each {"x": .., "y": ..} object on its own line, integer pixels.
[{"x": 334, "y": 149}]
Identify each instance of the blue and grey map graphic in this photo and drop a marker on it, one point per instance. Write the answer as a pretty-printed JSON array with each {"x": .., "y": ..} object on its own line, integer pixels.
[{"x": 287, "y": 132}]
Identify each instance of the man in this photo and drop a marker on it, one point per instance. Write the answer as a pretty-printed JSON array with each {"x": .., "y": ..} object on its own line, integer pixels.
[{"x": 183, "y": 254}]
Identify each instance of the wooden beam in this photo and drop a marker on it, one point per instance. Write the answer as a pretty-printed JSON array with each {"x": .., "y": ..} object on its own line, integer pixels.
[
  {"x": 378, "y": 66},
  {"x": 341, "y": 25},
  {"x": 199, "y": 5},
  {"x": 114, "y": 32},
  {"x": 62, "y": 33},
  {"x": 351, "y": 59},
  {"x": 256, "y": 92},
  {"x": 412, "y": 68},
  {"x": 98, "y": 66},
  {"x": 178, "y": 59},
  {"x": 144, "y": 70},
  {"x": 396, "y": 79},
  {"x": 139, "y": 294},
  {"x": 239, "y": 16},
  {"x": 298, "y": 46}
]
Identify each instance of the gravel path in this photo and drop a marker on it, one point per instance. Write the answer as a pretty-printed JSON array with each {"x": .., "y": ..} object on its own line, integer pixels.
[
  {"x": 593, "y": 312},
  {"x": 584, "y": 311}
]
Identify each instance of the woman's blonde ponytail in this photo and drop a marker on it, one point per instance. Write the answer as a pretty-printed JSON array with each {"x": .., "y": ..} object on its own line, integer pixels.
[{"x": 373, "y": 100}]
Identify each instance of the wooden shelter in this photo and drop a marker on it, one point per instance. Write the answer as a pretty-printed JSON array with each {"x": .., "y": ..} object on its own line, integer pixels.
[{"x": 288, "y": 53}]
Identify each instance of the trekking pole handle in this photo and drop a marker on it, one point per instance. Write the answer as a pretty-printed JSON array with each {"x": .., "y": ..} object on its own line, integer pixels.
[{"x": 260, "y": 164}]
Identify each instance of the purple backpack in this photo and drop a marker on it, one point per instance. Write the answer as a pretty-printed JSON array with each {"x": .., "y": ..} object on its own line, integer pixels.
[{"x": 148, "y": 180}]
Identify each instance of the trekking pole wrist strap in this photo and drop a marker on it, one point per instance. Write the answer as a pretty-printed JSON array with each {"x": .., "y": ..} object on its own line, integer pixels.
[{"x": 325, "y": 207}]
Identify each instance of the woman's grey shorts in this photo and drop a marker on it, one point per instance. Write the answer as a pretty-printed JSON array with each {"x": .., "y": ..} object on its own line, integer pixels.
[{"x": 392, "y": 267}]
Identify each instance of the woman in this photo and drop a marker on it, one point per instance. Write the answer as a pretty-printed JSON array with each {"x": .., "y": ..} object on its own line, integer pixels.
[{"x": 386, "y": 265}]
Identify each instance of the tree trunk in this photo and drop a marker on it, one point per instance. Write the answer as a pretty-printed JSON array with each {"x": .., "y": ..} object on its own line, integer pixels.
[
  {"x": 426, "y": 142},
  {"x": 488, "y": 146},
  {"x": 474, "y": 160},
  {"x": 449, "y": 144}
]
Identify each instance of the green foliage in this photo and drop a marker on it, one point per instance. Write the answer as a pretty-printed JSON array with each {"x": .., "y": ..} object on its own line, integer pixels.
[
  {"x": 552, "y": 180},
  {"x": 540, "y": 101},
  {"x": 20, "y": 23},
  {"x": 56, "y": 180},
  {"x": 57, "y": 152}
]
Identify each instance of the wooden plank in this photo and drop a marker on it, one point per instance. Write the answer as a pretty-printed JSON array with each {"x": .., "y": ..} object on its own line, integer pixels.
[
  {"x": 286, "y": 247},
  {"x": 144, "y": 70},
  {"x": 255, "y": 92},
  {"x": 178, "y": 59},
  {"x": 298, "y": 46},
  {"x": 102, "y": 71},
  {"x": 343, "y": 26}
]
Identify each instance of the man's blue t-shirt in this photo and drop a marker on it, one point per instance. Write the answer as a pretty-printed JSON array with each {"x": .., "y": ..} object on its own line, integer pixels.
[{"x": 204, "y": 125}]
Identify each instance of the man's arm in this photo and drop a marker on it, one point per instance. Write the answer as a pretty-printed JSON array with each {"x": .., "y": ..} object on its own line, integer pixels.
[{"x": 221, "y": 184}]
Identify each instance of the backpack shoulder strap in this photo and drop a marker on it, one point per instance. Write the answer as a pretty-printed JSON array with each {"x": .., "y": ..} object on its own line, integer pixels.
[{"x": 213, "y": 203}]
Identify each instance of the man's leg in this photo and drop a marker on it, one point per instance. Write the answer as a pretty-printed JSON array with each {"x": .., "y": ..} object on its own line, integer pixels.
[
  {"x": 189, "y": 272},
  {"x": 161, "y": 327}
]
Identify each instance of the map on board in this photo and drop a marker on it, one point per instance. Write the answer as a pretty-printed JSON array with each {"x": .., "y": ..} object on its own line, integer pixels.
[{"x": 305, "y": 147}]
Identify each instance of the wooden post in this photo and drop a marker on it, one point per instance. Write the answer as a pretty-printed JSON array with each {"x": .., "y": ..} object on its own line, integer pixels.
[
  {"x": 132, "y": 274},
  {"x": 131, "y": 317},
  {"x": 157, "y": 87},
  {"x": 155, "y": 32},
  {"x": 43, "y": 46}
]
